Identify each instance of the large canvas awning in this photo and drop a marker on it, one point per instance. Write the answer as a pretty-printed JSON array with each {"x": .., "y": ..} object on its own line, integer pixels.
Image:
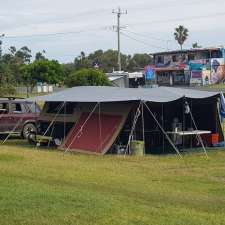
[{"x": 114, "y": 94}]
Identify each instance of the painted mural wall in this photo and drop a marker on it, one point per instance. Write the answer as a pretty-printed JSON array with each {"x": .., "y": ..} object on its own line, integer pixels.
[{"x": 201, "y": 71}]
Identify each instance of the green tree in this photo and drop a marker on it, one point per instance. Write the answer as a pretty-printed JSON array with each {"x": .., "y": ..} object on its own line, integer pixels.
[
  {"x": 181, "y": 35},
  {"x": 0, "y": 49},
  {"x": 196, "y": 45},
  {"x": 6, "y": 76},
  {"x": 15, "y": 59},
  {"x": 24, "y": 55},
  {"x": 6, "y": 80},
  {"x": 82, "y": 61},
  {"x": 108, "y": 61},
  {"x": 42, "y": 71},
  {"x": 40, "y": 56},
  {"x": 138, "y": 62},
  {"x": 87, "y": 77}
]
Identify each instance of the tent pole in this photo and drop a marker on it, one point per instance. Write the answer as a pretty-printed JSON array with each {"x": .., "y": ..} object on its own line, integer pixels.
[
  {"x": 183, "y": 123},
  {"x": 81, "y": 128},
  {"x": 100, "y": 125},
  {"x": 198, "y": 135},
  {"x": 53, "y": 121},
  {"x": 163, "y": 127},
  {"x": 64, "y": 120},
  {"x": 137, "y": 114},
  {"x": 143, "y": 125},
  {"x": 168, "y": 138},
  {"x": 53, "y": 127}
]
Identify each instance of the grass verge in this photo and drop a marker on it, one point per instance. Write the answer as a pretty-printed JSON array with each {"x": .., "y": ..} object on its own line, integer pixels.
[{"x": 49, "y": 187}]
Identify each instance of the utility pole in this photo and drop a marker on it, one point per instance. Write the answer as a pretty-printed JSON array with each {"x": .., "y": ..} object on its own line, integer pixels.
[{"x": 119, "y": 12}]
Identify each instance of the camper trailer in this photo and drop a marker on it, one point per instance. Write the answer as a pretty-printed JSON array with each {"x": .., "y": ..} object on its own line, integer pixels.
[{"x": 97, "y": 120}]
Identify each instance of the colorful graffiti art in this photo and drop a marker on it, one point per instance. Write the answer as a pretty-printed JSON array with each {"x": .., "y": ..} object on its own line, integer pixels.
[
  {"x": 206, "y": 77},
  {"x": 149, "y": 73},
  {"x": 217, "y": 71},
  {"x": 196, "y": 77}
]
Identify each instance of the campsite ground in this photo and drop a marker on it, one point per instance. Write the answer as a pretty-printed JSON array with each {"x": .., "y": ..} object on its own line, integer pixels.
[{"x": 49, "y": 187}]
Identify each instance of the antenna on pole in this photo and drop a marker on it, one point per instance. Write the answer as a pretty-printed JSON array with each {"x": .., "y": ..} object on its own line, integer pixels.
[{"x": 119, "y": 12}]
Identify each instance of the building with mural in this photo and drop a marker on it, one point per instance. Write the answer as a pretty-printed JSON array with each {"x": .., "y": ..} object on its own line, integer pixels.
[{"x": 188, "y": 67}]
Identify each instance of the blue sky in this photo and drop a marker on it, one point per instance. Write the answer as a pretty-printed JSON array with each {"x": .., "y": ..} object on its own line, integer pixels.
[{"x": 65, "y": 28}]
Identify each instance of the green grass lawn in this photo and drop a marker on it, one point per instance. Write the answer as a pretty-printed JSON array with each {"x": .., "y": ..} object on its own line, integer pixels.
[{"x": 52, "y": 188}]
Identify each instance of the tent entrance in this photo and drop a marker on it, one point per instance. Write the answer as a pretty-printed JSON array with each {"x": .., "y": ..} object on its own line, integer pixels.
[
  {"x": 167, "y": 114},
  {"x": 95, "y": 132}
]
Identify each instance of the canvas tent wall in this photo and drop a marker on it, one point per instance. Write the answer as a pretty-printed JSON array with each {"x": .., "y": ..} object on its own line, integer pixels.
[
  {"x": 96, "y": 131},
  {"x": 165, "y": 102},
  {"x": 205, "y": 116}
]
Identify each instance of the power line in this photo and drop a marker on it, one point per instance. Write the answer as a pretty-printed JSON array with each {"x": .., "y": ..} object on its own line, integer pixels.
[
  {"x": 143, "y": 42},
  {"x": 55, "y": 34},
  {"x": 175, "y": 3},
  {"x": 105, "y": 27},
  {"x": 147, "y": 36},
  {"x": 179, "y": 19}
]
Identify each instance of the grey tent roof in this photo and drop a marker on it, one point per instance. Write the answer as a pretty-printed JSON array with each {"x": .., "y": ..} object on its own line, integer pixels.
[{"x": 116, "y": 94}]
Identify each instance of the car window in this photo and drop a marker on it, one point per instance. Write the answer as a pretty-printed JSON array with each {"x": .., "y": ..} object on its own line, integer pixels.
[
  {"x": 17, "y": 108},
  {"x": 33, "y": 107},
  {"x": 4, "y": 108}
]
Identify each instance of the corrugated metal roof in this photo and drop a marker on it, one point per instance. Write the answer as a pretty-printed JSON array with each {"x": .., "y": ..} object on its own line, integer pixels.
[
  {"x": 116, "y": 94},
  {"x": 187, "y": 51}
]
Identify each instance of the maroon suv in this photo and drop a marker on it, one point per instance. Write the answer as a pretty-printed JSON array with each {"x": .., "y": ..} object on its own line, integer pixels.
[{"x": 18, "y": 116}]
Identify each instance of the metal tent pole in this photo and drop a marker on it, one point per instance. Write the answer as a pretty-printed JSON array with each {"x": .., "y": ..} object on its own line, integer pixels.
[
  {"x": 100, "y": 125},
  {"x": 198, "y": 135},
  {"x": 143, "y": 125},
  {"x": 82, "y": 127},
  {"x": 163, "y": 127},
  {"x": 64, "y": 120},
  {"x": 168, "y": 138},
  {"x": 137, "y": 114}
]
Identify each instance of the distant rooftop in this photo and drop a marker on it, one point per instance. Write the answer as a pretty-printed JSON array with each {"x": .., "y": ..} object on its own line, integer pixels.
[{"x": 188, "y": 50}]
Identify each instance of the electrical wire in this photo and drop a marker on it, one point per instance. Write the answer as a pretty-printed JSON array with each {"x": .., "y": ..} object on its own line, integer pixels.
[
  {"x": 147, "y": 36},
  {"x": 56, "y": 34},
  {"x": 179, "y": 19},
  {"x": 143, "y": 42},
  {"x": 175, "y": 3}
]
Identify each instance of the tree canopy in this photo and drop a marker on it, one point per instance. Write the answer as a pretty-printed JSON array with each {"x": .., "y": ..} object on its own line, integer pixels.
[
  {"x": 49, "y": 71},
  {"x": 87, "y": 77},
  {"x": 107, "y": 61},
  {"x": 19, "y": 67}
]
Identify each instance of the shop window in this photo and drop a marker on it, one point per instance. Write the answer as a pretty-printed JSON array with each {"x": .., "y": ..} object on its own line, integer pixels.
[
  {"x": 191, "y": 57},
  {"x": 216, "y": 54},
  {"x": 174, "y": 58},
  {"x": 160, "y": 59}
]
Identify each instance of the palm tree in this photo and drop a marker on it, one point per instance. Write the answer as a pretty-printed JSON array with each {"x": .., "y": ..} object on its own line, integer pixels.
[
  {"x": 196, "y": 45},
  {"x": 181, "y": 35}
]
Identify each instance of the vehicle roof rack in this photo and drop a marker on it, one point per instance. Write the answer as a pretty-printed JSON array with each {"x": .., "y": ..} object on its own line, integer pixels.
[{"x": 12, "y": 97}]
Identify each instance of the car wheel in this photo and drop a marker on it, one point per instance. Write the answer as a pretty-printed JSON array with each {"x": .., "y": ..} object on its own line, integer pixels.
[{"x": 28, "y": 129}]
